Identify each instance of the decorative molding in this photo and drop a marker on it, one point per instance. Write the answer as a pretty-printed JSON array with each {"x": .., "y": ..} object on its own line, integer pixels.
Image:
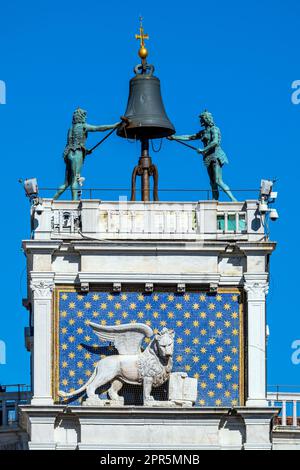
[{"x": 42, "y": 288}]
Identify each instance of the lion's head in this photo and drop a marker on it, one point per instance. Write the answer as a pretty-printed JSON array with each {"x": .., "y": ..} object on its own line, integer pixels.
[{"x": 165, "y": 342}]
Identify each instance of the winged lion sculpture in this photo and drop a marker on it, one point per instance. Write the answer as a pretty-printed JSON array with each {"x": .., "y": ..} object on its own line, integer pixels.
[{"x": 150, "y": 368}]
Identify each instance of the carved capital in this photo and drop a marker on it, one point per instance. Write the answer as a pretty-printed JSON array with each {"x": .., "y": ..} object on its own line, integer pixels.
[
  {"x": 42, "y": 289},
  {"x": 256, "y": 290}
]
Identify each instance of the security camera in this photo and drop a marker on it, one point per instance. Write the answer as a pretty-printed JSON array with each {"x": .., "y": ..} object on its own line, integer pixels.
[{"x": 274, "y": 215}]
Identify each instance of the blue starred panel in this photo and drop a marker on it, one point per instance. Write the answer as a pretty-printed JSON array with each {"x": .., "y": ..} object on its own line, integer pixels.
[{"x": 207, "y": 337}]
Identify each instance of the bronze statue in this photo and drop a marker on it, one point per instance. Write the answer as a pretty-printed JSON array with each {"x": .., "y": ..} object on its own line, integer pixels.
[
  {"x": 213, "y": 156},
  {"x": 75, "y": 151}
]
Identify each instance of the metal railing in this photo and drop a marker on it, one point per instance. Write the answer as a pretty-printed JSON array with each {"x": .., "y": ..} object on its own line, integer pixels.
[
  {"x": 95, "y": 193},
  {"x": 11, "y": 396},
  {"x": 288, "y": 398}
]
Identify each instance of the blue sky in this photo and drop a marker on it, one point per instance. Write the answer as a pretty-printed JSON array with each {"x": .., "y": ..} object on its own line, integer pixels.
[{"x": 237, "y": 59}]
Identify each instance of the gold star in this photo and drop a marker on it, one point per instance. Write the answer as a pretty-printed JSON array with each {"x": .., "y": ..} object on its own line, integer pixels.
[
  {"x": 64, "y": 346},
  {"x": 87, "y": 305},
  {"x": 228, "y": 376},
  {"x": 212, "y": 341},
  {"x": 124, "y": 314},
  {"x": 204, "y": 367},
  {"x": 195, "y": 306},
  {"x": 227, "y": 341},
  {"x": 187, "y": 331},
  {"x": 170, "y": 315},
  {"x": 234, "y": 368},
  {"x": 211, "y": 358},
  {"x": 87, "y": 338},
  {"x": 132, "y": 306},
  {"x": 195, "y": 359},
  {"x": 110, "y": 314},
  {"x": 203, "y": 315},
  {"x": 187, "y": 350},
  {"x": 196, "y": 375},
  {"x": 79, "y": 364},
  {"x": 88, "y": 373},
  {"x": 64, "y": 364},
  {"x": 71, "y": 355},
  {"x": 179, "y": 307},
  {"x": 186, "y": 297},
  {"x": 203, "y": 385},
  {"x": 203, "y": 332},
  {"x": 219, "y": 385},
  {"x": 155, "y": 314},
  {"x": 148, "y": 322},
  {"x": 140, "y": 297},
  {"x": 234, "y": 402},
  {"x": 132, "y": 321},
  {"x": 179, "y": 340},
  {"x": 72, "y": 305},
  {"x": 234, "y": 298},
  {"x": 219, "y": 349},
  {"x": 123, "y": 296},
  {"x": 64, "y": 330},
  {"x": 195, "y": 323},
  {"x": 219, "y": 332},
  {"x": 202, "y": 297},
  {"x": 80, "y": 347},
  {"x": 235, "y": 386},
  {"x": 226, "y": 307},
  {"x": 227, "y": 323},
  {"x": 203, "y": 350},
  {"x": 234, "y": 350},
  {"x": 155, "y": 297},
  {"x": 95, "y": 297},
  {"x": 211, "y": 306},
  {"x": 110, "y": 297},
  {"x": 64, "y": 296},
  {"x": 219, "y": 298},
  {"x": 80, "y": 382},
  {"x": 219, "y": 314},
  {"x": 202, "y": 402},
  {"x": 163, "y": 306},
  {"x": 117, "y": 306},
  {"x": 71, "y": 339},
  {"x": 235, "y": 332},
  {"x": 63, "y": 314},
  {"x": 79, "y": 331},
  {"x": 227, "y": 359},
  {"x": 211, "y": 323},
  {"x": 211, "y": 393},
  {"x": 103, "y": 306},
  {"x": 163, "y": 323},
  {"x": 65, "y": 382},
  {"x": 147, "y": 340},
  {"x": 227, "y": 393},
  {"x": 118, "y": 322},
  {"x": 71, "y": 373},
  {"x": 212, "y": 376},
  {"x": 187, "y": 368},
  {"x": 219, "y": 367},
  {"x": 79, "y": 314},
  {"x": 103, "y": 322},
  {"x": 179, "y": 323},
  {"x": 196, "y": 341},
  {"x": 179, "y": 358},
  {"x": 140, "y": 315},
  {"x": 218, "y": 402},
  {"x": 234, "y": 315},
  {"x": 170, "y": 297}
]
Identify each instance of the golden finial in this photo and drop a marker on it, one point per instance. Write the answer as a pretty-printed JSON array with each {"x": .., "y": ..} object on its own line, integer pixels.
[{"x": 143, "y": 53}]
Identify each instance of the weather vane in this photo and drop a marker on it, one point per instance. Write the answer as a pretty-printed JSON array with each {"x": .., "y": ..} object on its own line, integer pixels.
[{"x": 143, "y": 53}]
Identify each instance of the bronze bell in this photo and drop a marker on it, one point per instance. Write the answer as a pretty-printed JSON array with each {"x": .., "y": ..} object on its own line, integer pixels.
[{"x": 145, "y": 109}]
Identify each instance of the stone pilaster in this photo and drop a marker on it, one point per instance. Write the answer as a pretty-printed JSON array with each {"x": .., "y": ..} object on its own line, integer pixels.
[
  {"x": 42, "y": 285},
  {"x": 256, "y": 287}
]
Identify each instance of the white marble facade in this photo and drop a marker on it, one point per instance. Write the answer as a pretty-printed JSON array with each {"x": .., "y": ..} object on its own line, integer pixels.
[{"x": 209, "y": 244}]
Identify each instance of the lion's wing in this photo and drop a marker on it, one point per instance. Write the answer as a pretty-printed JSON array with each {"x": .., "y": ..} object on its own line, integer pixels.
[{"x": 126, "y": 338}]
